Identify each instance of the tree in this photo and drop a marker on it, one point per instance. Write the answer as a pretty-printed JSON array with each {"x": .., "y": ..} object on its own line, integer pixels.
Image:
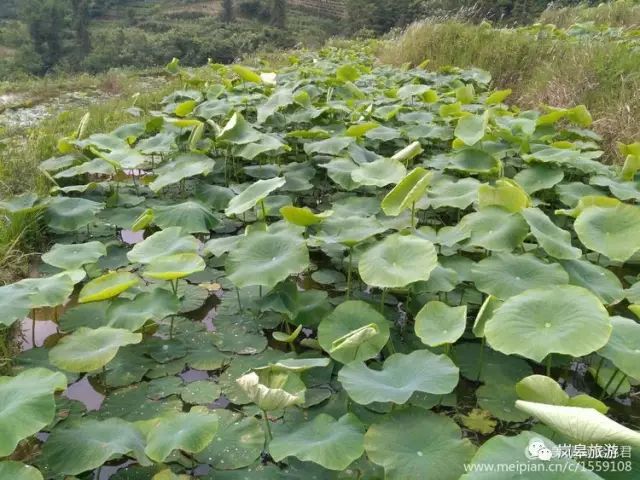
[
  {"x": 279, "y": 13},
  {"x": 47, "y": 26},
  {"x": 80, "y": 24},
  {"x": 227, "y": 11}
]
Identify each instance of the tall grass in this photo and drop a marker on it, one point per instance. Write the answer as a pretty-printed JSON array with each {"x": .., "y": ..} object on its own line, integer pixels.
[
  {"x": 604, "y": 76},
  {"x": 620, "y": 13}
]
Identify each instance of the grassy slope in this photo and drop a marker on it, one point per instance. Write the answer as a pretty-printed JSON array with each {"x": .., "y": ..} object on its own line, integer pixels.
[{"x": 604, "y": 76}]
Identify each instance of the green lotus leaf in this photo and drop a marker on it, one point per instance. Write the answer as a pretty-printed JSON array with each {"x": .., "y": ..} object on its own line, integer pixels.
[
  {"x": 610, "y": 231},
  {"x": 238, "y": 442},
  {"x": 184, "y": 166},
  {"x": 107, "y": 286},
  {"x": 334, "y": 444},
  {"x": 496, "y": 229},
  {"x": 287, "y": 337},
  {"x": 541, "y": 389},
  {"x": 272, "y": 388},
  {"x": 349, "y": 230},
  {"x": 400, "y": 377},
  {"x": 331, "y": 146},
  {"x": 165, "y": 242},
  {"x": 339, "y": 170},
  {"x": 25, "y": 203},
  {"x": 74, "y": 256},
  {"x": 92, "y": 443},
  {"x": 473, "y": 161},
  {"x": 252, "y": 195},
  {"x": 551, "y": 238},
  {"x": 623, "y": 347},
  {"x": 50, "y": 291},
  {"x": 571, "y": 193},
  {"x": 67, "y": 214},
  {"x": 173, "y": 267},
  {"x": 409, "y": 444},
  {"x": 133, "y": 314},
  {"x": 505, "y": 193},
  {"x": 538, "y": 177},
  {"x": 189, "y": 432},
  {"x": 303, "y": 217},
  {"x": 360, "y": 129},
  {"x": 350, "y": 325},
  {"x": 26, "y": 405},
  {"x": 301, "y": 364},
  {"x": 601, "y": 281},
  {"x": 505, "y": 275},
  {"x": 487, "y": 309},
  {"x": 566, "y": 319},
  {"x": 397, "y": 261},
  {"x": 18, "y": 471},
  {"x": 437, "y": 323},
  {"x": 471, "y": 128},
  {"x": 499, "y": 399},
  {"x": 86, "y": 350},
  {"x": 406, "y": 192},
  {"x": 15, "y": 303},
  {"x": 200, "y": 392},
  {"x": 444, "y": 192},
  {"x": 264, "y": 258},
  {"x": 502, "y": 450},
  {"x": 192, "y": 217},
  {"x": 590, "y": 201},
  {"x": 246, "y": 73},
  {"x": 379, "y": 173},
  {"x": 583, "y": 425}
]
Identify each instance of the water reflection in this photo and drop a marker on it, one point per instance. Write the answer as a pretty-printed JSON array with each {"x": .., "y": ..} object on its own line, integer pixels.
[{"x": 84, "y": 392}]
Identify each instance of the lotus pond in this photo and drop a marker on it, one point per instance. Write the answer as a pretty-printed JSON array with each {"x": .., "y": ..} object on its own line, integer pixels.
[{"x": 341, "y": 270}]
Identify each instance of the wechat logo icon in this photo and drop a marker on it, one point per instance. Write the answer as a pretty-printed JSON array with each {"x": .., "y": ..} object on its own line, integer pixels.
[{"x": 538, "y": 450}]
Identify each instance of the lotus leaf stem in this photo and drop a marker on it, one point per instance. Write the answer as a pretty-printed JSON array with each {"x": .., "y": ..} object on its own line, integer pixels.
[
  {"x": 598, "y": 368},
  {"x": 267, "y": 429},
  {"x": 481, "y": 359},
  {"x": 349, "y": 273},
  {"x": 604, "y": 390},
  {"x": 615, "y": 390},
  {"x": 413, "y": 215},
  {"x": 384, "y": 293},
  {"x": 33, "y": 328},
  {"x": 238, "y": 297},
  {"x": 264, "y": 211},
  {"x": 549, "y": 358}
]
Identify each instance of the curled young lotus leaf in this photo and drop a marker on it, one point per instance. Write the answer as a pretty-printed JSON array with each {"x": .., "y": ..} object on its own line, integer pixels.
[
  {"x": 409, "y": 444},
  {"x": 264, "y": 258},
  {"x": 173, "y": 267},
  {"x": 253, "y": 194},
  {"x": 86, "y": 350},
  {"x": 437, "y": 323},
  {"x": 303, "y": 217},
  {"x": 400, "y": 377},
  {"x": 397, "y": 261},
  {"x": 27, "y": 404},
  {"x": 612, "y": 231},
  {"x": 347, "y": 334},
  {"x": 189, "y": 432},
  {"x": 74, "y": 256},
  {"x": 107, "y": 286},
  {"x": 408, "y": 153},
  {"x": 622, "y": 348},
  {"x": 19, "y": 471},
  {"x": 334, "y": 444},
  {"x": 535, "y": 323},
  {"x": 93, "y": 443},
  {"x": 505, "y": 275},
  {"x": 503, "y": 449},
  {"x": 406, "y": 192},
  {"x": 582, "y": 425},
  {"x": 165, "y": 242},
  {"x": 272, "y": 388}
]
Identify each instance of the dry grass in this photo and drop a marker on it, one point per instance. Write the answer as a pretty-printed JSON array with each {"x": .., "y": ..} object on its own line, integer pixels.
[
  {"x": 603, "y": 76},
  {"x": 621, "y": 13}
]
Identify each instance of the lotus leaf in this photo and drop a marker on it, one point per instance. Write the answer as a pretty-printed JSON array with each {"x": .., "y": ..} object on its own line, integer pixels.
[
  {"x": 18, "y": 471},
  {"x": 133, "y": 314},
  {"x": 173, "y": 267},
  {"x": 505, "y": 193},
  {"x": 437, "y": 323},
  {"x": 107, "y": 286},
  {"x": 334, "y": 444},
  {"x": 27, "y": 405},
  {"x": 494, "y": 228},
  {"x": 602, "y": 282},
  {"x": 622, "y": 348},
  {"x": 192, "y": 217},
  {"x": 406, "y": 192},
  {"x": 184, "y": 166},
  {"x": 537, "y": 322},
  {"x": 397, "y": 261},
  {"x": 190, "y": 432},
  {"x": 273, "y": 388},
  {"x": 165, "y": 242},
  {"x": 379, "y": 173},
  {"x": 359, "y": 330},
  {"x": 252, "y": 195},
  {"x": 87, "y": 350},
  {"x": 303, "y": 217},
  {"x": 551, "y": 238},
  {"x": 400, "y": 377},
  {"x": 74, "y": 256},
  {"x": 409, "y": 444},
  {"x": 67, "y": 214}
]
